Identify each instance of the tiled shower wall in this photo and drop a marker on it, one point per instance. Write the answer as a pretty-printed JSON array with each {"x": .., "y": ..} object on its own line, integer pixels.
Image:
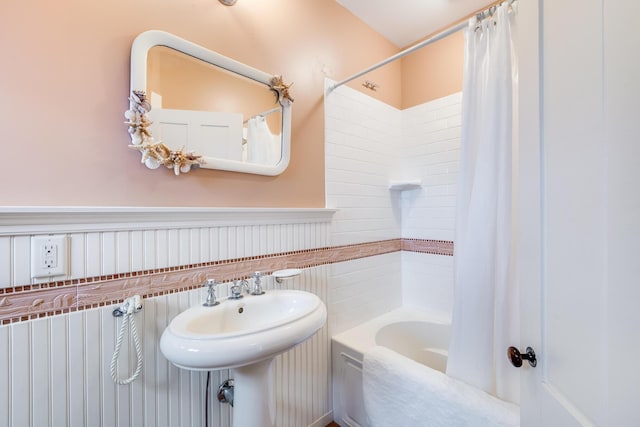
[
  {"x": 367, "y": 145},
  {"x": 55, "y": 370},
  {"x": 430, "y": 153},
  {"x": 361, "y": 134}
]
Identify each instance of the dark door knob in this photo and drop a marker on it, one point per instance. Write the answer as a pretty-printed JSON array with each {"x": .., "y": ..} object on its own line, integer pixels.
[{"x": 516, "y": 358}]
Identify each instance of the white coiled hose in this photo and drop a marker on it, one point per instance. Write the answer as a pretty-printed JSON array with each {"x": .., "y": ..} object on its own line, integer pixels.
[{"x": 130, "y": 306}]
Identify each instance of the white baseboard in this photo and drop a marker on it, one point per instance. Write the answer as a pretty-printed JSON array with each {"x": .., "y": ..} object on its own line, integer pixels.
[{"x": 323, "y": 421}]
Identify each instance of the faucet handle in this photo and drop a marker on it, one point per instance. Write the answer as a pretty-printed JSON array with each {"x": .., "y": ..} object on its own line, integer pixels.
[
  {"x": 211, "y": 295},
  {"x": 210, "y": 283},
  {"x": 257, "y": 288}
]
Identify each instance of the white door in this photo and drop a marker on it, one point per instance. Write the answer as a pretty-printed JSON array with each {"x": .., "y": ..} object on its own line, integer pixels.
[
  {"x": 208, "y": 133},
  {"x": 579, "y": 231}
]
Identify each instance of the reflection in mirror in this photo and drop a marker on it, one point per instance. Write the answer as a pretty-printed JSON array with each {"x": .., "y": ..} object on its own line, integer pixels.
[
  {"x": 221, "y": 114},
  {"x": 193, "y": 107}
]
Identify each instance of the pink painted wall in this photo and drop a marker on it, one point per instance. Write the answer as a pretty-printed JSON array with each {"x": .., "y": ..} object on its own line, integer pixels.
[
  {"x": 433, "y": 72},
  {"x": 64, "y": 83}
]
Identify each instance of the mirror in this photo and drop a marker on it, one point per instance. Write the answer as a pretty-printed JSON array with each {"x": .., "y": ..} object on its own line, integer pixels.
[{"x": 192, "y": 107}]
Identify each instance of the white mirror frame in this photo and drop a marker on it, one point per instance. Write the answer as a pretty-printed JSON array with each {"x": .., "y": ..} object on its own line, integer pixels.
[{"x": 139, "y": 52}]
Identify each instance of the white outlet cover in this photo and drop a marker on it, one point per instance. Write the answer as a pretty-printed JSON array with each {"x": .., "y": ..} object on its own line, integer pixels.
[{"x": 49, "y": 256}]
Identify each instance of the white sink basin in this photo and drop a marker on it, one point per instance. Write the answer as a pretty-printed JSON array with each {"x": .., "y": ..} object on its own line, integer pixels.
[{"x": 242, "y": 332}]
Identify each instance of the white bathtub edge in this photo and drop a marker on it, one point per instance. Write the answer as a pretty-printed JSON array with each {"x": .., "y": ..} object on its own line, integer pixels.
[{"x": 362, "y": 337}]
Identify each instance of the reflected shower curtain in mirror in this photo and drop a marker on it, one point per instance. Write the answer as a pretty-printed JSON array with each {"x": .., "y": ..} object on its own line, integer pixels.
[
  {"x": 484, "y": 320},
  {"x": 259, "y": 142}
]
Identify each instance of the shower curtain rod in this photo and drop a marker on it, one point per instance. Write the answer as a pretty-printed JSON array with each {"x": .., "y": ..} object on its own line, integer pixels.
[
  {"x": 453, "y": 28},
  {"x": 263, "y": 114}
]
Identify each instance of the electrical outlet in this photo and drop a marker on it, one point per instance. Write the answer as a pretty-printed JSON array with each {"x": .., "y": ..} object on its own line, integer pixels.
[{"x": 49, "y": 255}]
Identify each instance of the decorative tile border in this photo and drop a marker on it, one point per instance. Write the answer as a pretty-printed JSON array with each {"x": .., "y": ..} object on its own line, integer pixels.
[
  {"x": 27, "y": 302},
  {"x": 438, "y": 247}
]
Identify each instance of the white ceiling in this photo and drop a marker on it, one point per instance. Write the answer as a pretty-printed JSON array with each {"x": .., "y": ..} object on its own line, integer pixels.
[{"x": 403, "y": 22}]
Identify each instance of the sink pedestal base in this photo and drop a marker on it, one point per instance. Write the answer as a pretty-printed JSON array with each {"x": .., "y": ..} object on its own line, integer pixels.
[{"x": 253, "y": 396}]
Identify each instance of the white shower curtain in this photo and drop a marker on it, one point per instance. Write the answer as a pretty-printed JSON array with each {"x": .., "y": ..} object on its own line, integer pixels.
[
  {"x": 260, "y": 146},
  {"x": 485, "y": 320}
]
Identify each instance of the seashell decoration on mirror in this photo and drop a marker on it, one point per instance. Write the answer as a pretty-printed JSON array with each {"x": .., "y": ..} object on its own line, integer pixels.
[
  {"x": 190, "y": 107},
  {"x": 154, "y": 154}
]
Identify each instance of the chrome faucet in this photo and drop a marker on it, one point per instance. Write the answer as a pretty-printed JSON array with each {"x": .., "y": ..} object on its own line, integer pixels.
[
  {"x": 211, "y": 293},
  {"x": 257, "y": 288},
  {"x": 236, "y": 289}
]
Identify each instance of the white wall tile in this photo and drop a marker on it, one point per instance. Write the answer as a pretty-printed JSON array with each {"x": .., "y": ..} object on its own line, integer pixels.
[
  {"x": 359, "y": 165},
  {"x": 362, "y": 155},
  {"x": 362, "y": 289},
  {"x": 431, "y": 154},
  {"x": 427, "y": 282},
  {"x": 362, "y": 150}
]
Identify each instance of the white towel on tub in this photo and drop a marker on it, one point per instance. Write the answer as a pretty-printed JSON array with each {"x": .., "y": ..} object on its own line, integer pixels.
[{"x": 400, "y": 392}]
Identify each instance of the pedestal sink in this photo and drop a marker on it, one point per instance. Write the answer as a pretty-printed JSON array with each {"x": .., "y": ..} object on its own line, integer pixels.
[{"x": 244, "y": 335}]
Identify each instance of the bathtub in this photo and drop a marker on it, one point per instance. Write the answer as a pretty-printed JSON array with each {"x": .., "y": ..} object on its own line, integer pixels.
[{"x": 413, "y": 333}]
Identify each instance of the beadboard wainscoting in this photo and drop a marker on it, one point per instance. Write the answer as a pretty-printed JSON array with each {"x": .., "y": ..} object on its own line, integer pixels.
[
  {"x": 106, "y": 242},
  {"x": 55, "y": 369}
]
